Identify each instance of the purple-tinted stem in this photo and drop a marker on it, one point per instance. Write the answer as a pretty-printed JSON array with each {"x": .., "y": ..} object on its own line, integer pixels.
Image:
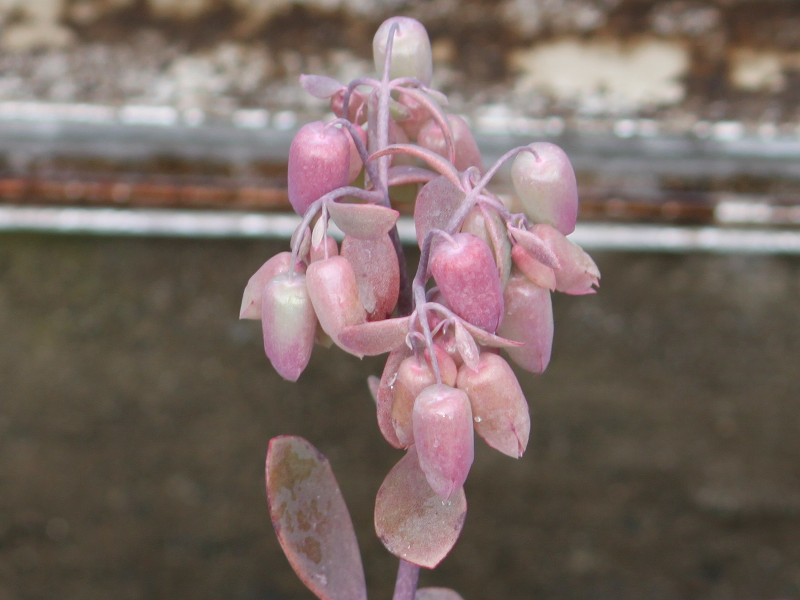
[
  {"x": 383, "y": 108},
  {"x": 314, "y": 208},
  {"x": 405, "y": 587},
  {"x": 362, "y": 150}
]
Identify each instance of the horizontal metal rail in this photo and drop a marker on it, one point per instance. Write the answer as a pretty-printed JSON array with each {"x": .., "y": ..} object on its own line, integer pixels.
[{"x": 223, "y": 224}]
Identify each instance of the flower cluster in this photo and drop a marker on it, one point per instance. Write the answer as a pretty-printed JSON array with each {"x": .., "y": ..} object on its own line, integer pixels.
[{"x": 483, "y": 283}]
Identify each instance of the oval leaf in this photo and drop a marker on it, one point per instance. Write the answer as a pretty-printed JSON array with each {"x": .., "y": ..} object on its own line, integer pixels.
[
  {"x": 312, "y": 521},
  {"x": 320, "y": 86},
  {"x": 411, "y": 520},
  {"x": 364, "y": 221}
]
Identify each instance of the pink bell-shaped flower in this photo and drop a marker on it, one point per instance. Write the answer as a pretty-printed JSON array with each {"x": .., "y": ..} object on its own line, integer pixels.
[
  {"x": 251, "y": 297},
  {"x": 288, "y": 324},
  {"x": 528, "y": 319},
  {"x": 319, "y": 162},
  {"x": 465, "y": 271},
  {"x": 466, "y": 148},
  {"x": 499, "y": 408},
  {"x": 377, "y": 272},
  {"x": 333, "y": 290},
  {"x": 443, "y": 437},
  {"x": 545, "y": 183},
  {"x": 578, "y": 274},
  {"x": 411, "y": 49},
  {"x": 414, "y": 375}
]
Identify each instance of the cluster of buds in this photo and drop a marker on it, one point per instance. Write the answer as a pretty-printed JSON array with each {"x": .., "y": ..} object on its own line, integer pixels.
[{"x": 482, "y": 287}]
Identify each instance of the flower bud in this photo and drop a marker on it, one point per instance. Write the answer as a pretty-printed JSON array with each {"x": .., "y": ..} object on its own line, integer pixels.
[
  {"x": 577, "y": 273},
  {"x": 319, "y": 162},
  {"x": 414, "y": 375},
  {"x": 488, "y": 225},
  {"x": 443, "y": 437},
  {"x": 528, "y": 319},
  {"x": 465, "y": 271},
  {"x": 377, "y": 272},
  {"x": 499, "y": 408},
  {"x": 288, "y": 324},
  {"x": 333, "y": 290},
  {"x": 411, "y": 49},
  {"x": 545, "y": 183},
  {"x": 251, "y": 298}
]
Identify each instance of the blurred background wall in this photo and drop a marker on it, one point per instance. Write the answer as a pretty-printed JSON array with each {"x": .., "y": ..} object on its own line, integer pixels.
[{"x": 135, "y": 409}]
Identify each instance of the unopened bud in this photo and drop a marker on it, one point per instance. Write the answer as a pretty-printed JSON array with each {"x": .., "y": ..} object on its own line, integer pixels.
[
  {"x": 411, "y": 49},
  {"x": 499, "y": 407},
  {"x": 545, "y": 183},
  {"x": 319, "y": 162},
  {"x": 333, "y": 290},
  {"x": 465, "y": 271},
  {"x": 443, "y": 437},
  {"x": 288, "y": 324}
]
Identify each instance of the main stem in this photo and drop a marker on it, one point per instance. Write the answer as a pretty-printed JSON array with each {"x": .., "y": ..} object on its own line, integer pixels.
[{"x": 405, "y": 588}]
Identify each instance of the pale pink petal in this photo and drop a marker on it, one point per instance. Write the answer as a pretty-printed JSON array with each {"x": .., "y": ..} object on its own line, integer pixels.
[
  {"x": 545, "y": 183},
  {"x": 488, "y": 225},
  {"x": 465, "y": 271},
  {"x": 536, "y": 246},
  {"x": 499, "y": 408},
  {"x": 377, "y": 272},
  {"x": 319, "y": 162},
  {"x": 333, "y": 290},
  {"x": 528, "y": 319},
  {"x": 413, "y": 376},
  {"x": 288, "y": 324},
  {"x": 578, "y": 274},
  {"x": 251, "y": 298},
  {"x": 411, "y": 49},
  {"x": 536, "y": 272},
  {"x": 386, "y": 391},
  {"x": 443, "y": 437}
]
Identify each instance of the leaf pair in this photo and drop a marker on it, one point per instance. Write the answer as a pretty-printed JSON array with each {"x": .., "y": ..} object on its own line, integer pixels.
[{"x": 316, "y": 532}]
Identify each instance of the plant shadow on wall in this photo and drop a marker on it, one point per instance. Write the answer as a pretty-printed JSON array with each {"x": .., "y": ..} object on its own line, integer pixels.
[{"x": 483, "y": 283}]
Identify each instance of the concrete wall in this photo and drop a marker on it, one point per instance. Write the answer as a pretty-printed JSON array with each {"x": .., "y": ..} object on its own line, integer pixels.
[{"x": 135, "y": 412}]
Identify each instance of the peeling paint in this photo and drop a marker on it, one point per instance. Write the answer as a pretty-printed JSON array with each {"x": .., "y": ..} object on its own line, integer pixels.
[{"x": 605, "y": 76}]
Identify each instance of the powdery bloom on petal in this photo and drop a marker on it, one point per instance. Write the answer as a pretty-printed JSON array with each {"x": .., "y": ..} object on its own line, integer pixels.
[
  {"x": 288, "y": 324},
  {"x": 545, "y": 183},
  {"x": 578, "y": 274},
  {"x": 333, "y": 290},
  {"x": 528, "y": 319},
  {"x": 465, "y": 271},
  {"x": 443, "y": 436},
  {"x": 251, "y": 297},
  {"x": 499, "y": 408},
  {"x": 319, "y": 162}
]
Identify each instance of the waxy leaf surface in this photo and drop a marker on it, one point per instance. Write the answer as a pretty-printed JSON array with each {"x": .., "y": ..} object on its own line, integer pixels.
[
  {"x": 411, "y": 520},
  {"x": 364, "y": 221},
  {"x": 312, "y": 520}
]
